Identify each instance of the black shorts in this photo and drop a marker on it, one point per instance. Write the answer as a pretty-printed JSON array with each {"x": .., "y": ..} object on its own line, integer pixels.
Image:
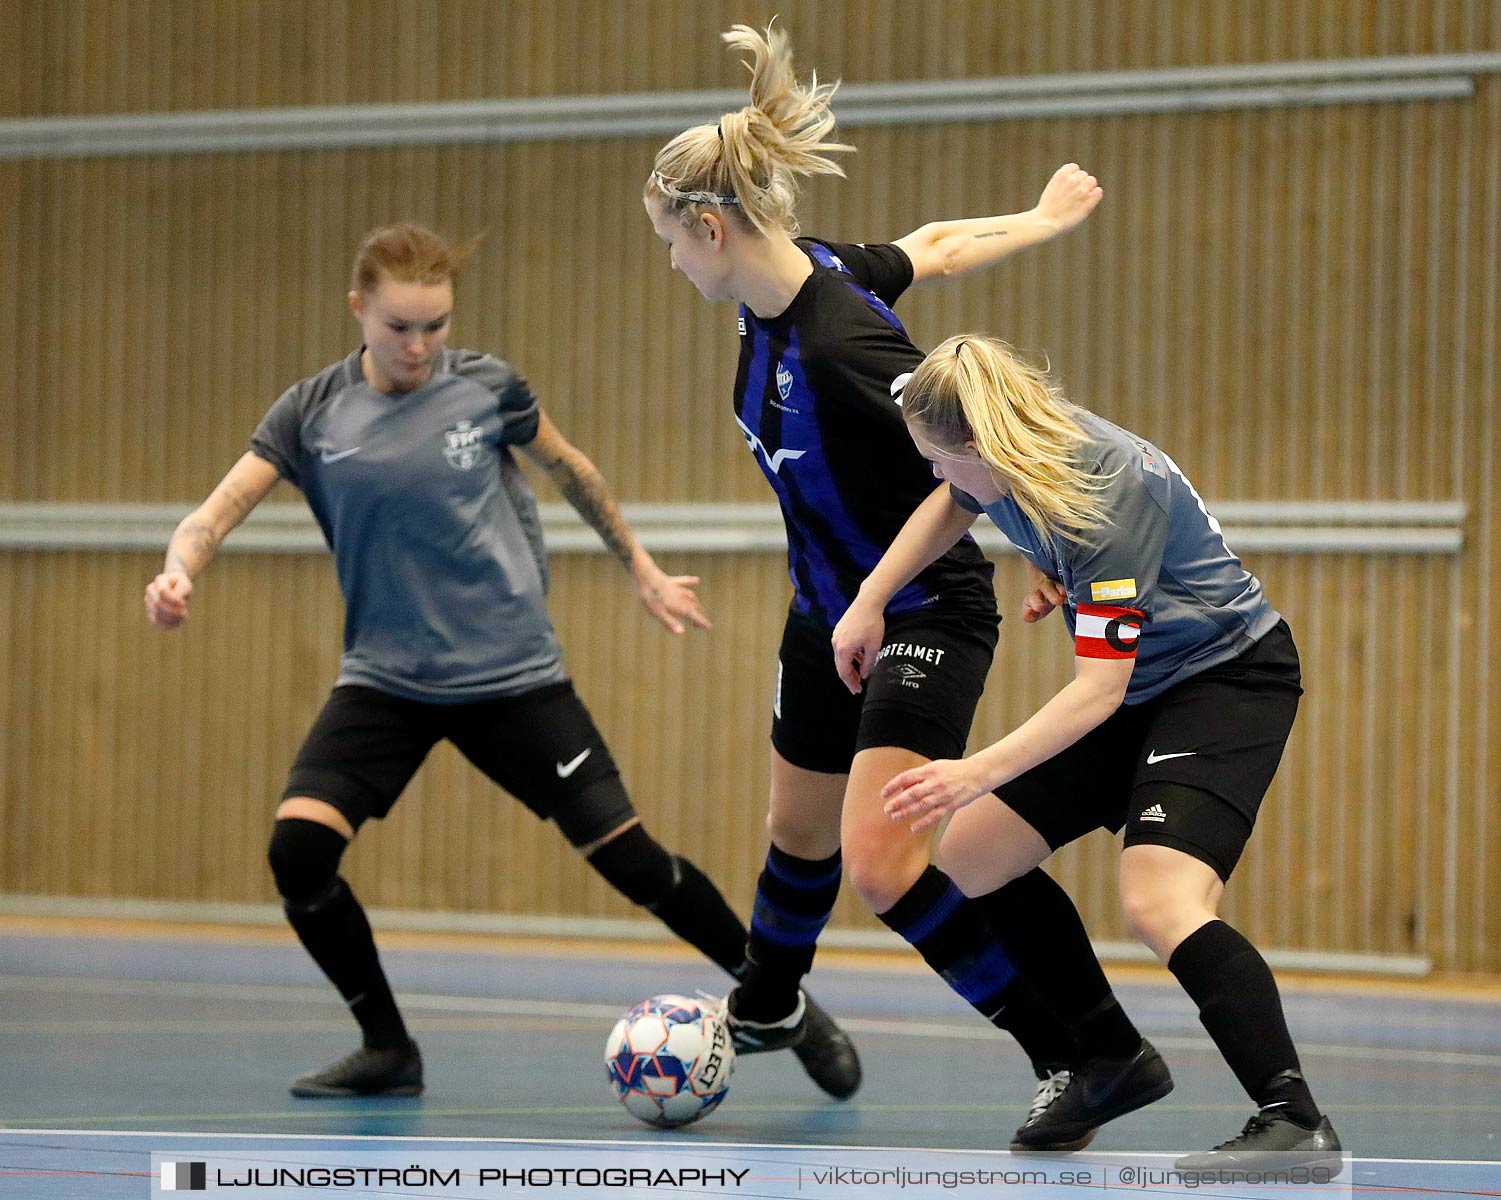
[
  {"x": 1186, "y": 769},
  {"x": 921, "y": 694},
  {"x": 541, "y": 746}
]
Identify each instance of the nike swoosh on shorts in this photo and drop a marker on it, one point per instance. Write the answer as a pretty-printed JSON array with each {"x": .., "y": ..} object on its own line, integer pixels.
[
  {"x": 567, "y": 769},
  {"x": 1154, "y": 758}
]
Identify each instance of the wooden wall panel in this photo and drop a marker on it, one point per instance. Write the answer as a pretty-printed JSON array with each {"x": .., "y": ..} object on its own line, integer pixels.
[
  {"x": 96, "y": 56},
  {"x": 148, "y": 765},
  {"x": 1297, "y": 304},
  {"x": 1227, "y": 286},
  {"x": 142, "y": 764},
  {"x": 173, "y": 300}
]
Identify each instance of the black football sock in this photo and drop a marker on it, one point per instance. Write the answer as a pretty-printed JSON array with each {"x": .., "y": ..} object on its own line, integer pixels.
[
  {"x": 331, "y": 925},
  {"x": 697, "y": 912},
  {"x": 794, "y": 899},
  {"x": 1241, "y": 1009},
  {"x": 334, "y": 929},
  {"x": 676, "y": 892},
  {"x": 1041, "y": 930},
  {"x": 951, "y": 934}
]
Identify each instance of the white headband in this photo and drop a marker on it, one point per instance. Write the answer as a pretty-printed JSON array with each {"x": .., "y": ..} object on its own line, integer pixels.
[{"x": 674, "y": 192}]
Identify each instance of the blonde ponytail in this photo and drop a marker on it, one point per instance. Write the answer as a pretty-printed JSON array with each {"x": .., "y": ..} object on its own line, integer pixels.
[
  {"x": 751, "y": 160},
  {"x": 975, "y": 388}
]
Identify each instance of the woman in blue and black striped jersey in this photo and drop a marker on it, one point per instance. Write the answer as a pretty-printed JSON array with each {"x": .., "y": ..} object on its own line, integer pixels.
[{"x": 822, "y": 356}]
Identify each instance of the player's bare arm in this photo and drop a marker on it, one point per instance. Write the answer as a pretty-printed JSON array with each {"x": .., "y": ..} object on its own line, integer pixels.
[
  {"x": 199, "y": 534},
  {"x": 933, "y": 528},
  {"x": 669, "y": 598},
  {"x": 926, "y": 794},
  {"x": 945, "y": 249}
]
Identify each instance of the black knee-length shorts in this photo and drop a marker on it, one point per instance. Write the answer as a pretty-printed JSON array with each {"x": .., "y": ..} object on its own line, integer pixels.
[
  {"x": 1187, "y": 769},
  {"x": 541, "y": 746},
  {"x": 921, "y": 694}
]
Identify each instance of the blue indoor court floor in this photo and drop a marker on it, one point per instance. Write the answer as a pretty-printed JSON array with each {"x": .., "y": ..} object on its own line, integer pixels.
[{"x": 120, "y": 1042}]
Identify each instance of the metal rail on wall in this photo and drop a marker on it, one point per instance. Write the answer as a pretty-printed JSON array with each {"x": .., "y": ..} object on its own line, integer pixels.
[
  {"x": 1284, "y": 526},
  {"x": 560, "y": 118}
]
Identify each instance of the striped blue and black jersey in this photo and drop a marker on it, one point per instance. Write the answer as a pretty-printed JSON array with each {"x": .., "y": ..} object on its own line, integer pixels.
[{"x": 815, "y": 399}]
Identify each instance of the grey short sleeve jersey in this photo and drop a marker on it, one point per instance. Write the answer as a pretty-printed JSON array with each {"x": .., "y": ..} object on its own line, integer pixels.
[
  {"x": 433, "y": 526},
  {"x": 1159, "y": 564}
]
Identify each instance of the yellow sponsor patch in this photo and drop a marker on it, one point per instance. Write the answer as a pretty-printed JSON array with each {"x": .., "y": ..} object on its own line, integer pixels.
[{"x": 1112, "y": 589}]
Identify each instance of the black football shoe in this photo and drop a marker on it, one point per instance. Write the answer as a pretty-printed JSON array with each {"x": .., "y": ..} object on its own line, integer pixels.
[
  {"x": 827, "y": 1054},
  {"x": 1098, "y": 1090},
  {"x": 759, "y": 1037},
  {"x": 1271, "y": 1142},
  {"x": 1049, "y": 1088},
  {"x": 825, "y": 1050},
  {"x": 366, "y": 1072}
]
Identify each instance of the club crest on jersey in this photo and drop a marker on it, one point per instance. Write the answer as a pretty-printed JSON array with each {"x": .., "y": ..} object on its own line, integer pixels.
[
  {"x": 462, "y": 445},
  {"x": 784, "y": 381}
]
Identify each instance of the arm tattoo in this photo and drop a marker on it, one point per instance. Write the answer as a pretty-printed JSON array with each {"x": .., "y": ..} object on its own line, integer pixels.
[
  {"x": 192, "y": 546},
  {"x": 240, "y": 499},
  {"x": 584, "y": 488},
  {"x": 991, "y": 233}
]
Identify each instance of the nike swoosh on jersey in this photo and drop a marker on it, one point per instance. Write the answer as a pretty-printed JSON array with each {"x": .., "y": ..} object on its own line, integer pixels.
[
  {"x": 335, "y": 457},
  {"x": 1154, "y": 757},
  {"x": 567, "y": 769}
]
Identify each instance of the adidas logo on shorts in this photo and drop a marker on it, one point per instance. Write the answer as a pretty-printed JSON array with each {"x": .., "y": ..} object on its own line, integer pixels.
[{"x": 1154, "y": 813}]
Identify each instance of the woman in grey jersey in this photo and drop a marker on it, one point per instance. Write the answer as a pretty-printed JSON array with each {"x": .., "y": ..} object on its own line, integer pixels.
[
  {"x": 1185, "y": 688},
  {"x": 403, "y": 451}
]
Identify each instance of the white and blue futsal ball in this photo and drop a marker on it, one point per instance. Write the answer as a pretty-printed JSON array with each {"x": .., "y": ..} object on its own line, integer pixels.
[{"x": 669, "y": 1060}]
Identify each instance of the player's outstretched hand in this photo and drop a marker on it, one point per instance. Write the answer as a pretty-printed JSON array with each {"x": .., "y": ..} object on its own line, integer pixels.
[
  {"x": 671, "y": 599},
  {"x": 1071, "y": 195},
  {"x": 167, "y": 599},
  {"x": 925, "y": 794},
  {"x": 1043, "y": 595},
  {"x": 857, "y": 640}
]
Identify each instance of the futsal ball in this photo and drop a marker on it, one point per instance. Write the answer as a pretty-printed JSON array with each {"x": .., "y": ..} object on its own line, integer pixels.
[{"x": 669, "y": 1060}]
